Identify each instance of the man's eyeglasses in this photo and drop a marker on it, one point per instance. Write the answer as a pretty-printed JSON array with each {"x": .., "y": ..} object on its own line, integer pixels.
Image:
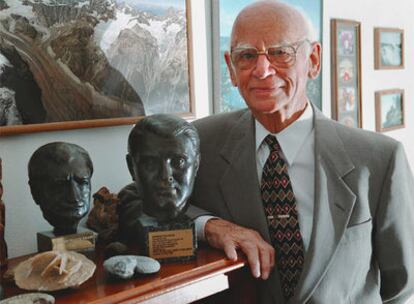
[{"x": 280, "y": 56}]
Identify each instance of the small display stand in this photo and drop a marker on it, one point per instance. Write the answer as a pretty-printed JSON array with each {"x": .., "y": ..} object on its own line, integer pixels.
[
  {"x": 170, "y": 242},
  {"x": 83, "y": 241}
]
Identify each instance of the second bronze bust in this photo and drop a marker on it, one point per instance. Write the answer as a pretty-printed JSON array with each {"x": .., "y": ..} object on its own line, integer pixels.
[{"x": 60, "y": 181}]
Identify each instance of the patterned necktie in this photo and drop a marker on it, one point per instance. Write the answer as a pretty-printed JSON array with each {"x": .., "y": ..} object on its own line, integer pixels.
[{"x": 282, "y": 217}]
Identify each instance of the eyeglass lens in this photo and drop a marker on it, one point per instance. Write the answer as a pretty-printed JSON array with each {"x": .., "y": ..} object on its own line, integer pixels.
[{"x": 279, "y": 56}]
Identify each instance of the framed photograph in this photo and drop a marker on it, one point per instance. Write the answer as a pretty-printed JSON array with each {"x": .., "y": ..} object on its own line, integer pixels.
[
  {"x": 346, "y": 72},
  {"x": 389, "y": 48},
  {"x": 226, "y": 97},
  {"x": 79, "y": 64},
  {"x": 389, "y": 110}
]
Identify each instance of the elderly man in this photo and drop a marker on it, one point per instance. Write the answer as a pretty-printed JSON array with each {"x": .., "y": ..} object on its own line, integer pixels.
[{"x": 330, "y": 207}]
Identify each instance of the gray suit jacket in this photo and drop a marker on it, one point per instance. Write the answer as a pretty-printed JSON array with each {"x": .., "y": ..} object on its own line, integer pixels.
[{"x": 362, "y": 241}]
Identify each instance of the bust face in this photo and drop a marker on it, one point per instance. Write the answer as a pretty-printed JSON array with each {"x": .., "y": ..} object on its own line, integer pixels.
[
  {"x": 63, "y": 193},
  {"x": 164, "y": 170}
]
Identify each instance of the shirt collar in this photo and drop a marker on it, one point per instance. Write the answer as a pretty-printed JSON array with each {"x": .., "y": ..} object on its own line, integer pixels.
[{"x": 291, "y": 138}]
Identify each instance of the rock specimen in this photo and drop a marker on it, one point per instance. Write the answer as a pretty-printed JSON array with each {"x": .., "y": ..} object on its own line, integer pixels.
[
  {"x": 115, "y": 248},
  {"x": 126, "y": 266},
  {"x": 53, "y": 270},
  {"x": 103, "y": 217},
  {"x": 8, "y": 276},
  {"x": 30, "y": 298}
]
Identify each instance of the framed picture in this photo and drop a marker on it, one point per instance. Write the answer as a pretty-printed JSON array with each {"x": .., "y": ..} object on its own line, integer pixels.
[
  {"x": 346, "y": 72},
  {"x": 389, "y": 48},
  {"x": 78, "y": 64},
  {"x": 226, "y": 97},
  {"x": 389, "y": 110}
]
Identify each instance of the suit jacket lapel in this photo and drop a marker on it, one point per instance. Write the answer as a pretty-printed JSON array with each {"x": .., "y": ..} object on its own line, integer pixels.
[
  {"x": 333, "y": 205},
  {"x": 239, "y": 183}
]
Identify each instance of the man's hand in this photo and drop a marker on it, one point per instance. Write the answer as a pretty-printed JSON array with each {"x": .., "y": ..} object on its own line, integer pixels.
[{"x": 225, "y": 235}]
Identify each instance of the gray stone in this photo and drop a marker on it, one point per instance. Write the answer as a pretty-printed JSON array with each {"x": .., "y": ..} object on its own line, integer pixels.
[
  {"x": 30, "y": 298},
  {"x": 126, "y": 266}
]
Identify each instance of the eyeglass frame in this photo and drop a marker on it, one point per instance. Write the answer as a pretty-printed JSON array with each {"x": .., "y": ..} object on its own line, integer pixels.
[{"x": 266, "y": 52}]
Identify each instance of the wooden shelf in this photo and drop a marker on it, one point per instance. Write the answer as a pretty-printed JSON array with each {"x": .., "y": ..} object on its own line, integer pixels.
[{"x": 175, "y": 283}]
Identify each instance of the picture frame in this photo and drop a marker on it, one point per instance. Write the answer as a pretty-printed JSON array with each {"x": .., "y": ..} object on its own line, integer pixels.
[
  {"x": 226, "y": 97},
  {"x": 108, "y": 65},
  {"x": 389, "y": 110},
  {"x": 388, "y": 48},
  {"x": 346, "y": 72},
  {"x": 3, "y": 245}
]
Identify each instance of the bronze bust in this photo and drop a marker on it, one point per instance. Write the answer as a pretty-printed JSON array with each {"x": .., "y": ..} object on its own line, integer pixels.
[
  {"x": 60, "y": 182},
  {"x": 163, "y": 159}
]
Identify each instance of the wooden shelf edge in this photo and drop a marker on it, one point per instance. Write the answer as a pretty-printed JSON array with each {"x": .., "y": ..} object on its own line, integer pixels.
[{"x": 167, "y": 285}]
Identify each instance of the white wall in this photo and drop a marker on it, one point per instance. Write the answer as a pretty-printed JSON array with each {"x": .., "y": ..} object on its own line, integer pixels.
[
  {"x": 107, "y": 146},
  {"x": 376, "y": 13}
]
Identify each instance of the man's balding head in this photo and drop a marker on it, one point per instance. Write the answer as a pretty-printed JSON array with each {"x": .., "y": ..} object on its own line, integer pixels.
[
  {"x": 273, "y": 16},
  {"x": 273, "y": 54}
]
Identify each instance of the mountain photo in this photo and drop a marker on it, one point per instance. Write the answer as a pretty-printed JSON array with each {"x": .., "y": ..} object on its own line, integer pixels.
[{"x": 70, "y": 60}]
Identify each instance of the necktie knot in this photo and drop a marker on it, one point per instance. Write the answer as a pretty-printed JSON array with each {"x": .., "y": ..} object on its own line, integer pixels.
[{"x": 272, "y": 142}]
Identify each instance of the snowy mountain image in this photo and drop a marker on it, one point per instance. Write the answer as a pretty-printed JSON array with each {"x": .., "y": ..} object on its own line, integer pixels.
[
  {"x": 148, "y": 45},
  {"x": 65, "y": 60}
]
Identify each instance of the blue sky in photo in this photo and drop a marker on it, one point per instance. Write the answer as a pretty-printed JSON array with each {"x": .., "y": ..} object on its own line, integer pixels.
[
  {"x": 230, "y": 8},
  {"x": 393, "y": 38}
]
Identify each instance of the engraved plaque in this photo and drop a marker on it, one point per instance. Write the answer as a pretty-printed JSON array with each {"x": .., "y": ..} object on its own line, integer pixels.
[{"x": 172, "y": 242}]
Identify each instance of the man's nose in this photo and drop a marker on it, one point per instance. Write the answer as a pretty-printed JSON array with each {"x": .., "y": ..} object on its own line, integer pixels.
[
  {"x": 74, "y": 192},
  {"x": 167, "y": 172},
  {"x": 263, "y": 68}
]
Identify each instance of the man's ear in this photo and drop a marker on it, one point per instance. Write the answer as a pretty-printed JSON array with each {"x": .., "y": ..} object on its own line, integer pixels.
[
  {"x": 131, "y": 165},
  {"x": 197, "y": 164},
  {"x": 35, "y": 191},
  {"x": 315, "y": 60},
  {"x": 230, "y": 68}
]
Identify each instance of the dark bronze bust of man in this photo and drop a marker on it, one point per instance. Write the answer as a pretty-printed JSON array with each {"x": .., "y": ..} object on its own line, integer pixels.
[
  {"x": 163, "y": 159},
  {"x": 60, "y": 182}
]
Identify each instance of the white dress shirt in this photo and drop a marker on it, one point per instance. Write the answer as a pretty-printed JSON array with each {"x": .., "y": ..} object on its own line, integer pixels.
[{"x": 297, "y": 143}]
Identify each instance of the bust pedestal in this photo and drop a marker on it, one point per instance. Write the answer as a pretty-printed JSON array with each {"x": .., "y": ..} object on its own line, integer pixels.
[{"x": 82, "y": 241}]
